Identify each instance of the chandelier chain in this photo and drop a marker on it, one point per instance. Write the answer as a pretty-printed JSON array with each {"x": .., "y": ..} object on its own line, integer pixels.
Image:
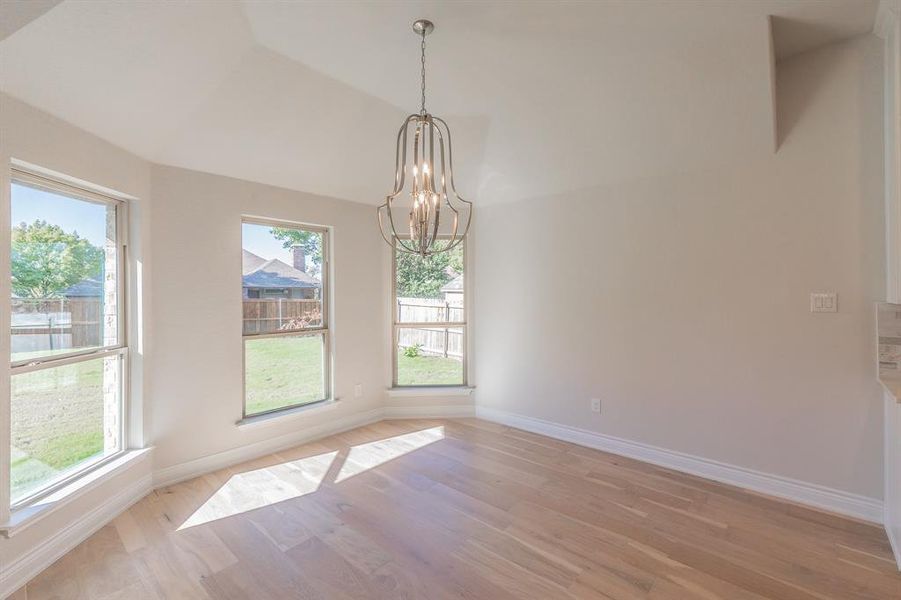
[{"x": 422, "y": 48}]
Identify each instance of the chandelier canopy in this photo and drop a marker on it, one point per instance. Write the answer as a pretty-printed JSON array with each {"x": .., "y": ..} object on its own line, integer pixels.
[{"x": 427, "y": 179}]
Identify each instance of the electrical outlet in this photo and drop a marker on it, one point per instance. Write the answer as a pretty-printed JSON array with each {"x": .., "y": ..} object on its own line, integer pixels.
[
  {"x": 596, "y": 405},
  {"x": 358, "y": 390},
  {"x": 823, "y": 302}
]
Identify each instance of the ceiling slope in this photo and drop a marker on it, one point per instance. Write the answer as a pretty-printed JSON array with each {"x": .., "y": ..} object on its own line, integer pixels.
[{"x": 541, "y": 97}]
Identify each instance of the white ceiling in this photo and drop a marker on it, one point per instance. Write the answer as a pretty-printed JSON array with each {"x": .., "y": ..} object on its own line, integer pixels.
[{"x": 542, "y": 97}]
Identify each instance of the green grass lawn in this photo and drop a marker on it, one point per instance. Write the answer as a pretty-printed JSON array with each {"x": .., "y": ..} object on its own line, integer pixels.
[
  {"x": 57, "y": 422},
  {"x": 286, "y": 371},
  {"x": 428, "y": 370},
  {"x": 282, "y": 371}
]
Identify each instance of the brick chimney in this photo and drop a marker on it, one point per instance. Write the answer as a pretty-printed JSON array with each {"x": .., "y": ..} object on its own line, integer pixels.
[{"x": 300, "y": 259}]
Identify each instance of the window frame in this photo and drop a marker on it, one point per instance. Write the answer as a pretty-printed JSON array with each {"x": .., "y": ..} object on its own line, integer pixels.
[
  {"x": 463, "y": 325},
  {"x": 323, "y": 329},
  {"x": 18, "y": 175}
]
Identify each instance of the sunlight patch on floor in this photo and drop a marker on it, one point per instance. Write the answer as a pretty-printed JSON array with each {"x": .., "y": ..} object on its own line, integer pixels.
[
  {"x": 262, "y": 487},
  {"x": 367, "y": 456}
]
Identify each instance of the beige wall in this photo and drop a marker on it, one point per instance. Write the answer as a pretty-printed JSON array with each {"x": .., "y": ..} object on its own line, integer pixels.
[
  {"x": 198, "y": 369},
  {"x": 682, "y": 301}
]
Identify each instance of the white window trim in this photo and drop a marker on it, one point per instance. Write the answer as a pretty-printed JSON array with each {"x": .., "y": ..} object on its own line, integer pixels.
[
  {"x": 60, "y": 490},
  {"x": 325, "y": 330},
  {"x": 106, "y": 470},
  {"x": 446, "y": 391},
  {"x": 419, "y": 389},
  {"x": 288, "y": 413}
]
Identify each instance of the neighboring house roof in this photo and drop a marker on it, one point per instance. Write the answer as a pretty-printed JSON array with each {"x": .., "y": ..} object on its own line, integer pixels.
[
  {"x": 274, "y": 274},
  {"x": 454, "y": 285},
  {"x": 89, "y": 287},
  {"x": 250, "y": 262}
]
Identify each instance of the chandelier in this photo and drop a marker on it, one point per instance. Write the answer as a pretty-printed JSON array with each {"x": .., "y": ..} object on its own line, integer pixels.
[{"x": 426, "y": 140}]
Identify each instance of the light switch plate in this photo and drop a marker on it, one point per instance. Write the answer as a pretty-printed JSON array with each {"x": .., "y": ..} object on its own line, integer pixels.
[{"x": 823, "y": 302}]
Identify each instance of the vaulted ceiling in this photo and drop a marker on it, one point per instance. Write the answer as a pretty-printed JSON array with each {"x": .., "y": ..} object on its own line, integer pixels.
[{"x": 542, "y": 97}]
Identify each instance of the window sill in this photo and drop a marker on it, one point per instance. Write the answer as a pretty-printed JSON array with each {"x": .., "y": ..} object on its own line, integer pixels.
[
  {"x": 280, "y": 416},
  {"x": 26, "y": 516},
  {"x": 434, "y": 390}
]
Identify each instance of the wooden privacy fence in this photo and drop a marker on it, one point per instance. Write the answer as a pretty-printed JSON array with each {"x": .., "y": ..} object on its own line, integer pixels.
[
  {"x": 279, "y": 314},
  {"x": 428, "y": 310},
  {"x": 268, "y": 315},
  {"x": 56, "y": 323},
  {"x": 434, "y": 341}
]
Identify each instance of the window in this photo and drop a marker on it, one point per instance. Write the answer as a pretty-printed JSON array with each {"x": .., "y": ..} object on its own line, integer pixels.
[
  {"x": 67, "y": 340},
  {"x": 284, "y": 288},
  {"x": 429, "y": 335}
]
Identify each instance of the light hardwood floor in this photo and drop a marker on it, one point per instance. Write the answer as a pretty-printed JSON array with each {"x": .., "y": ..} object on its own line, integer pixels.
[{"x": 467, "y": 509}]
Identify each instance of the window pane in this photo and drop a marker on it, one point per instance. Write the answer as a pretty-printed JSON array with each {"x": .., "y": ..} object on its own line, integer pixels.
[
  {"x": 283, "y": 371},
  {"x": 429, "y": 289},
  {"x": 281, "y": 278},
  {"x": 430, "y": 356},
  {"x": 64, "y": 273},
  {"x": 63, "y": 419}
]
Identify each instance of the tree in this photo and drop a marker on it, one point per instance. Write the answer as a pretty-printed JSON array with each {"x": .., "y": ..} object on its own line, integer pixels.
[
  {"x": 46, "y": 259},
  {"x": 419, "y": 277},
  {"x": 310, "y": 241}
]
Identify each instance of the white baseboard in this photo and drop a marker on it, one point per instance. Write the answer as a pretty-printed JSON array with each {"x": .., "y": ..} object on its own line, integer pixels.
[
  {"x": 893, "y": 541},
  {"x": 429, "y": 412},
  {"x": 30, "y": 564},
  {"x": 891, "y": 531},
  {"x": 220, "y": 460},
  {"x": 838, "y": 501}
]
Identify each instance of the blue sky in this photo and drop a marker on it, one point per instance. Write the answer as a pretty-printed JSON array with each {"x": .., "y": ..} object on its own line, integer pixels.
[
  {"x": 89, "y": 220},
  {"x": 257, "y": 239}
]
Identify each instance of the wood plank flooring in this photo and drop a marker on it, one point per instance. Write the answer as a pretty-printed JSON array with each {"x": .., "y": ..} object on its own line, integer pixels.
[{"x": 439, "y": 509}]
